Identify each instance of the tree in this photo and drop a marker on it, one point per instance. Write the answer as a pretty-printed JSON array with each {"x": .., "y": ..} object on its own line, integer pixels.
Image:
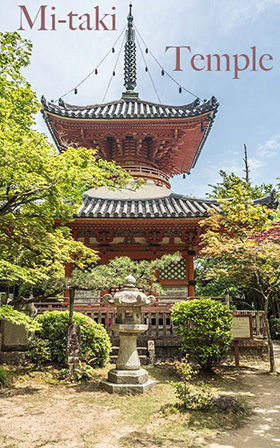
[
  {"x": 223, "y": 189},
  {"x": 205, "y": 327},
  {"x": 207, "y": 285},
  {"x": 241, "y": 257},
  {"x": 40, "y": 189},
  {"x": 114, "y": 273}
]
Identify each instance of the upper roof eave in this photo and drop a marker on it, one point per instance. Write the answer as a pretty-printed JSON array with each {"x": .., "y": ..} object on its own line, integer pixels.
[{"x": 129, "y": 108}]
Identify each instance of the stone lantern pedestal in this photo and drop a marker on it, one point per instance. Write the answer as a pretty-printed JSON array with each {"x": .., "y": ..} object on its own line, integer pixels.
[{"x": 128, "y": 377}]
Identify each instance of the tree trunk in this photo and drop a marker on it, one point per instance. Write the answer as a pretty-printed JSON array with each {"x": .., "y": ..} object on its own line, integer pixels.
[
  {"x": 269, "y": 340},
  {"x": 71, "y": 305},
  {"x": 70, "y": 322}
]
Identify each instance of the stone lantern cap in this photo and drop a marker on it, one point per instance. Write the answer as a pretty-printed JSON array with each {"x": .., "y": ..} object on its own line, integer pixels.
[{"x": 129, "y": 295}]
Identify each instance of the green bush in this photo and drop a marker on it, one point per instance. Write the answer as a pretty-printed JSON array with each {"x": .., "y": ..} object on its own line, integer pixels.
[
  {"x": 195, "y": 398},
  {"x": 40, "y": 351},
  {"x": 274, "y": 324},
  {"x": 205, "y": 327},
  {"x": 17, "y": 317},
  {"x": 95, "y": 342},
  {"x": 190, "y": 397},
  {"x": 4, "y": 379}
]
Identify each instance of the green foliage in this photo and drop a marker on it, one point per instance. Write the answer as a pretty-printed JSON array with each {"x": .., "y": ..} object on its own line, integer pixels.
[
  {"x": 16, "y": 317},
  {"x": 205, "y": 327},
  {"x": 83, "y": 372},
  {"x": 190, "y": 396},
  {"x": 184, "y": 369},
  {"x": 274, "y": 324},
  {"x": 38, "y": 185},
  {"x": 40, "y": 351},
  {"x": 223, "y": 189},
  {"x": 228, "y": 258},
  {"x": 238, "y": 256},
  {"x": 211, "y": 286},
  {"x": 4, "y": 378},
  {"x": 95, "y": 342},
  {"x": 114, "y": 273}
]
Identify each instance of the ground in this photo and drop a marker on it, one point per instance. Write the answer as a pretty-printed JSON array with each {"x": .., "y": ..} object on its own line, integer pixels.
[{"x": 40, "y": 412}]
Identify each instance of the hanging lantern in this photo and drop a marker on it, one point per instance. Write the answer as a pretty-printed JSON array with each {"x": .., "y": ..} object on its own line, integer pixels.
[
  {"x": 96, "y": 71},
  {"x": 146, "y": 69},
  {"x": 147, "y": 51},
  {"x": 75, "y": 91},
  {"x": 113, "y": 50},
  {"x": 162, "y": 72},
  {"x": 180, "y": 89},
  {"x": 184, "y": 176},
  {"x": 114, "y": 73}
]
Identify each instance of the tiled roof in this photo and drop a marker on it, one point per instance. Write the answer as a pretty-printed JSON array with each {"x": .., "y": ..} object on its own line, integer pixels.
[
  {"x": 173, "y": 206},
  {"x": 129, "y": 107}
]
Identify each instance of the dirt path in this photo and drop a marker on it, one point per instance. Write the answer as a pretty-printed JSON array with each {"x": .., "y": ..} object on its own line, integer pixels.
[
  {"x": 35, "y": 414},
  {"x": 263, "y": 428}
]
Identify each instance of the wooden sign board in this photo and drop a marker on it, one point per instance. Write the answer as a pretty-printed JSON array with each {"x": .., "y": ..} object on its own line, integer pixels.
[{"x": 242, "y": 327}]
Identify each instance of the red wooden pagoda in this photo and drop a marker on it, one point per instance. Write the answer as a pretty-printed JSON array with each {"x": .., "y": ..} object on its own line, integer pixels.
[{"x": 151, "y": 141}]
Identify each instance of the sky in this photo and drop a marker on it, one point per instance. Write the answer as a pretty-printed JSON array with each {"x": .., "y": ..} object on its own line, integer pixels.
[{"x": 249, "y": 106}]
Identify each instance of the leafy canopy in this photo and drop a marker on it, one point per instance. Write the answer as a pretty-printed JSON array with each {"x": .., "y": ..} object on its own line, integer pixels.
[
  {"x": 7, "y": 312},
  {"x": 222, "y": 190},
  {"x": 38, "y": 186},
  {"x": 228, "y": 239},
  {"x": 114, "y": 273}
]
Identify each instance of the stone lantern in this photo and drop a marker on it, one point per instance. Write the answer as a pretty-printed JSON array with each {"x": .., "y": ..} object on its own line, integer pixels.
[{"x": 128, "y": 377}]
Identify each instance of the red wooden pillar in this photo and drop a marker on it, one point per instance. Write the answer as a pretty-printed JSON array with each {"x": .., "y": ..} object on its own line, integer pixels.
[{"x": 190, "y": 270}]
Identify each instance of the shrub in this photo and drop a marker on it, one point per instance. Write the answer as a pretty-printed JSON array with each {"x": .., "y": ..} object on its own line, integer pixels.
[
  {"x": 274, "y": 325},
  {"x": 205, "y": 327},
  {"x": 195, "y": 398},
  {"x": 95, "y": 342},
  {"x": 17, "y": 317},
  {"x": 83, "y": 372},
  {"x": 190, "y": 396},
  {"x": 40, "y": 351},
  {"x": 4, "y": 379}
]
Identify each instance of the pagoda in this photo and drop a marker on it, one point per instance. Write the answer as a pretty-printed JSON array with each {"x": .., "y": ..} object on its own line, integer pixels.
[{"x": 150, "y": 141}]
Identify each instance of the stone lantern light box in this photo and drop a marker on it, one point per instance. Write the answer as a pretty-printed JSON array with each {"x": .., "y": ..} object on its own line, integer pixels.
[{"x": 128, "y": 376}]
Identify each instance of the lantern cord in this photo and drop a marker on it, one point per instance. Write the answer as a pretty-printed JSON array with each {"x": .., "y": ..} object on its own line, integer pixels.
[
  {"x": 95, "y": 68},
  {"x": 162, "y": 68},
  {"x": 146, "y": 65},
  {"x": 114, "y": 69}
]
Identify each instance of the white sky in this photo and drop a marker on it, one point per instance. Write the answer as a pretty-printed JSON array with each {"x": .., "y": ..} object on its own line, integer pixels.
[{"x": 249, "y": 111}]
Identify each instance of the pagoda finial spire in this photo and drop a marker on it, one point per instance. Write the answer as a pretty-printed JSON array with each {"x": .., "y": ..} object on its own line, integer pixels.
[{"x": 130, "y": 54}]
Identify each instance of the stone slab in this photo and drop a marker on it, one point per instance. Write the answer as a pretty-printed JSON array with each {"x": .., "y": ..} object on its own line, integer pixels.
[
  {"x": 14, "y": 358},
  {"x": 124, "y": 389},
  {"x": 13, "y": 336},
  {"x": 139, "y": 376}
]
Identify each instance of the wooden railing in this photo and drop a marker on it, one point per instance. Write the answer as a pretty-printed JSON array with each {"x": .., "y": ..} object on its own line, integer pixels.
[{"x": 157, "y": 317}]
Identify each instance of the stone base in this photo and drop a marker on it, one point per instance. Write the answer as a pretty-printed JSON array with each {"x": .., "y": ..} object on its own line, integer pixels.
[
  {"x": 113, "y": 388},
  {"x": 14, "y": 358},
  {"x": 139, "y": 376}
]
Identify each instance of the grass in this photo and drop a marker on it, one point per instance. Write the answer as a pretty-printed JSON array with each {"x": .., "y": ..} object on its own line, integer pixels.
[{"x": 149, "y": 420}]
